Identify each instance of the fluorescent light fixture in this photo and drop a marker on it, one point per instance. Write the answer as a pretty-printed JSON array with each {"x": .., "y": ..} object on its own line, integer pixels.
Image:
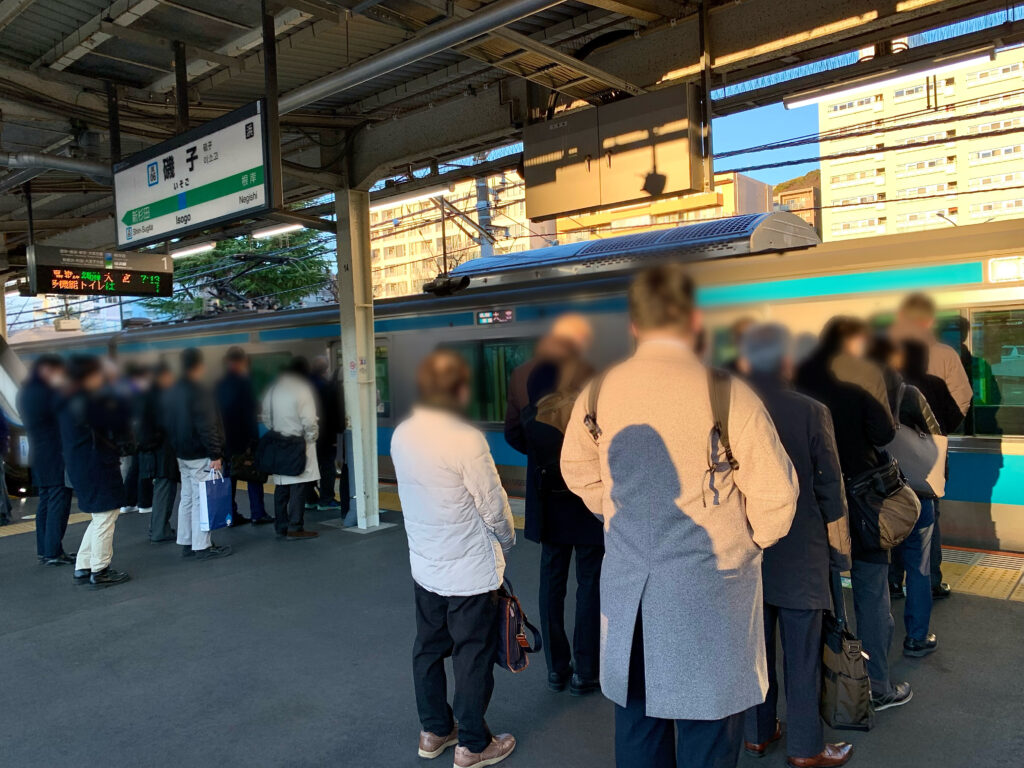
[
  {"x": 915, "y": 70},
  {"x": 413, "y": 197},
  {"x": 192, "y": 250},
  {"x": 1007, "y": 269},
  {"x": 278, "y": 229}
]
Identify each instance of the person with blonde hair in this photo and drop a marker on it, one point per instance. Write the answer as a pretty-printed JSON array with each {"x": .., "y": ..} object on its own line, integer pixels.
[{"x": 459, "y": 525}]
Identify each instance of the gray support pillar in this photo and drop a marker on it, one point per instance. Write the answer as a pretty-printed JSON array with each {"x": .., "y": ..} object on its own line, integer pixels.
[{"x": 355, "y": 297}]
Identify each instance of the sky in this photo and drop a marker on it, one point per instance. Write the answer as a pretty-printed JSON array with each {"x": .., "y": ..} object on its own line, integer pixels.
[{"x": 760, "y": 126}]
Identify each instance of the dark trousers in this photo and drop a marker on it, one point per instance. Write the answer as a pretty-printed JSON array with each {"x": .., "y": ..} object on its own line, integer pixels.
[
  {"x": 289, "y": 507},
  {"x": 935, "y": 560},
  {"x": 325, "y": 457},
  {"x": 914, "y": 559},
  {"x": 464, "y": 628},
  {"x": 875, "y": 626},
  {"x": 52, "y": 520},
  {"x": 800, "y": 631},
  {"x": 164, "y": 491},
  {"x": 257, "y": 509},
  {"x": 650, "y": 742},
  {"x": 586, "y": 637}
]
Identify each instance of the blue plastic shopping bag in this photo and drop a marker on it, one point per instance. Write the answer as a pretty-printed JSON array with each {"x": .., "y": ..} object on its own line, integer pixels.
[{"x": 215, "y": 502}]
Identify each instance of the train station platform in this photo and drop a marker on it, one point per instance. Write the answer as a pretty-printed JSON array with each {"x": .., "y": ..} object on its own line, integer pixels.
[{"x": 298, "y": 655}]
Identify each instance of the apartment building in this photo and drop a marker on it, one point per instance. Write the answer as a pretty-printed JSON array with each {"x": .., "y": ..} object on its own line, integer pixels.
[
  {"x": 801, "y": 196},
  {"x": 950, "y": 153}
]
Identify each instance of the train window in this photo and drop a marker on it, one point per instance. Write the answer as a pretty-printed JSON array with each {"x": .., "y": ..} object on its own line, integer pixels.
[
  {"x": 383, "y": 379},
  {"x": 492, "y": 363},
  {"x": 997, "y": 371}
]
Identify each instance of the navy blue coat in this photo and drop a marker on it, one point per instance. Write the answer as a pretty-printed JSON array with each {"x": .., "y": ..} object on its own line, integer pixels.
[
  {"x": 92, "y": 458},
  {"x": 238, "y": 408},
  {"x": 795, "y": 570},
  {"x": 37, "y": 403}
]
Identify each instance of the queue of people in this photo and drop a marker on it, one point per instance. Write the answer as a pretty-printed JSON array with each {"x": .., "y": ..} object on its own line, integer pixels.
[
  {"x": 150, "y": 438},
  {"x": 708, "y": 513}
]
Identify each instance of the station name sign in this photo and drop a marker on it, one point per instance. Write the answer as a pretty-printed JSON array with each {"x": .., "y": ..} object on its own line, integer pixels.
[
  {"x": 214, "y": 173},
  {"x": 76, "y": 272}
]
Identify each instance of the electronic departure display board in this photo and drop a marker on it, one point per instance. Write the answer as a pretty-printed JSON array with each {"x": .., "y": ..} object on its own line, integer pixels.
[
  {"x": 495, "y": 317},
  {"x": 77, "y": 272}
]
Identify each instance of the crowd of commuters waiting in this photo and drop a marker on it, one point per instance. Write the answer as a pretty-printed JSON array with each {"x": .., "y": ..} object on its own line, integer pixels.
[
  {"x": 698, "y": 539},
  {"x": 139, "y": 441}
]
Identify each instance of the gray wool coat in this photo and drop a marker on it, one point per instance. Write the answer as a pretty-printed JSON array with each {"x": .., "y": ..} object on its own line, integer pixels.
[{"x": 683, "y": 541}]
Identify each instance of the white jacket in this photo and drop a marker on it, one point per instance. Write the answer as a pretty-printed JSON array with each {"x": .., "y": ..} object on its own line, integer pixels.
[
  {"x": 293, "y": 412},
  {"x": 456, "y": 513}
]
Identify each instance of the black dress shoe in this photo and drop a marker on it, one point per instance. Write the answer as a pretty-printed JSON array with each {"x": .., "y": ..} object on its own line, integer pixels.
[
  {"x": 265, "y": 520},
  {"x": 56, "y": 561},
  {"x": 919, "y": 648},
  {"x": 896, "y": 592},
  {"x": 941, "y": 592},
  {"x": 82, "y": 577},
  {"x": 187, "y": 551},
  {"x": 213, "y": 551},
  {"x": 581, "y": 687},
  {"x": 162, "y": 539},
  {"x": 108, "y": 577},
  {"x": 557, "y": 681}
]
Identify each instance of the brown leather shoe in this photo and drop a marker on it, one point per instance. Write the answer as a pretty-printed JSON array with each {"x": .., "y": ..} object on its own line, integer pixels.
[
  {"x": 301, "y": 535},
  {"x": 758, "y": 750},
  {"x": 432, "y": 746},
  {"x": 831, "y": 755},
  {"x": 501, "y": 746}
]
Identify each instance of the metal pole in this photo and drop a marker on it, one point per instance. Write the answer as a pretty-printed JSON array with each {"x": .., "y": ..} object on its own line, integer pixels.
[
  {"x": 114, "y": 122},
  {"x": 273, "y": 113},
  {"x": 27, "y": 189},
  {"x": 444, "y": 238},
  {"x": 427, "y": 43},
  {"x": 180, "y": 86},
  {"x": 706, "y": 116}
]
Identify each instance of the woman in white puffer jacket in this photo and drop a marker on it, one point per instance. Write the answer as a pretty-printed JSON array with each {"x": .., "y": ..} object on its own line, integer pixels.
[{"x": 459, "y": 525}]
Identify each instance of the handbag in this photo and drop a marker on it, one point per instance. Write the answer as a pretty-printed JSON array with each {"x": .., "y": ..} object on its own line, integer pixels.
[
  {"x": 215, "y": 502},
  {"x": 845, "y": 687},
  {"x": 243, "y": 467},
  {"x": 278, "y": 454},
  {"x": 921, "y": 455},
  {"x": 883, "y": 508},
  {"x": 513, "y": 647}
]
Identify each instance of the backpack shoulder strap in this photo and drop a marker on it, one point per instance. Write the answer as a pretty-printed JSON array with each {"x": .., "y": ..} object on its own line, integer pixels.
[
  {"x": 590, "y": 420},
  {"x": 720, "y": 389}
]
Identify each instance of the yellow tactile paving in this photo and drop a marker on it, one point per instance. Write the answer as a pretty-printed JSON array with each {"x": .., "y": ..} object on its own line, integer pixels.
[
  {"x": 29, "y": 526},
  {"x": 953, "y": 573},
  {"x": 1018, "y": 593},
  {"x": 986, "y": 581}
]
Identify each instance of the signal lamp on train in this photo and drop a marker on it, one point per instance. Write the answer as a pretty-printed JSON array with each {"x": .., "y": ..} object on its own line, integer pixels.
[
  {"x": 280, "y": 229},
  {"x": 1007, "y": 269}
]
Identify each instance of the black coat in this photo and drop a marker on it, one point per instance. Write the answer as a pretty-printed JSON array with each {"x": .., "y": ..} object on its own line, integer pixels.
[
  {"x": 331, "y": 410},
  {"x": 37, "y": 404},
  {"x": 156, "y": 456},
  {"x": 92, "y": 457},
  {"x": 238, "y": 411},
  {"x": 796, "y": 569},
  {"x": 854, "y": 392},
  {"x": 192, "y": 421},
  {"x": 516, "y": 437}
]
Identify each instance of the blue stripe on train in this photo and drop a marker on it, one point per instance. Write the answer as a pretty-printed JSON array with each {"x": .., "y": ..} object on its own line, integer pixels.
[{"x": 974, "y": 477}]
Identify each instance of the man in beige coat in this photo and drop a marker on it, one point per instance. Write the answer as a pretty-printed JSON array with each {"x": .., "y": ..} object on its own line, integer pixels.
[{"x": 682, "y": 637}]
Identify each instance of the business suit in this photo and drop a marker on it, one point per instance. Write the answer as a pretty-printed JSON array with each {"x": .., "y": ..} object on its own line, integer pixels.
[
  {"x": 796, "y": 569},
  {"x": 683, "y": 540}
]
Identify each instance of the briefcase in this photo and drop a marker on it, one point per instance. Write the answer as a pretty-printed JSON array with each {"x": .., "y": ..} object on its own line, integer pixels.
[
  {"x": 845, "y": 686},
  {"x": 513, "y": 647}
]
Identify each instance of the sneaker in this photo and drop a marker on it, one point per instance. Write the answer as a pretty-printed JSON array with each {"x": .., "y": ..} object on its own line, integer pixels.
[
  {"x": 579, "y": 686},
  {"x": 213, "y": 551},
  {"x": 129, "y": 509},
  {"x": 145, "y": 510},
  {"x": 301, "y": 535},
  {"x": 501, "y": 746},
  {"x": 901, "y": 693},
  {"x": 918, "y": 648},
  {"x": 82, "y": 577},
  {"x": 328, "y": 506},
  {"x": 432, "y": 746},
  {"x": 108, "y": 577},
  {"x": 59, "y": 560}
]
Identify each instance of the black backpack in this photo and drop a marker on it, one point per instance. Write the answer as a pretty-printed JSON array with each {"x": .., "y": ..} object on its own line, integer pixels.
[{"x": 720, "y": 390}]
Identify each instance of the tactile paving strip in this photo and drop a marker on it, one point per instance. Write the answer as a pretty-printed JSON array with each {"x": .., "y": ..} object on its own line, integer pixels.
[
  {"x": 983, "y": 574},
  {"x": 29, "y": 526}
]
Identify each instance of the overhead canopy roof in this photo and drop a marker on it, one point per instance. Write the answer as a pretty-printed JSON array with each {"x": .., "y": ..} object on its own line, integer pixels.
[{"x": 56, "y": 57}]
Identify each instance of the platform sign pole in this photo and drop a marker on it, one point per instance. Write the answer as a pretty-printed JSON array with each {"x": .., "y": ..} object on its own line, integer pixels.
[{"x": 355, "y": 298}]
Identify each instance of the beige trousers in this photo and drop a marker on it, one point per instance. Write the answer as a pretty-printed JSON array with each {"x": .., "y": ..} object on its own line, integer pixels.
[{"x": 97, "y": 547}]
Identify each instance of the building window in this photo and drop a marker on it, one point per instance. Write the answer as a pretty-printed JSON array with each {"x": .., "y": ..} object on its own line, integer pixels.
[
  {"x": 925, "y": 166},
  {"x": 855, "y": 176},
  {"x": 995, "y": 155},
  {"x": 878, "y": 197},
  {"x": 854, "y": 104},
  {"x": 909, "y": 145},
  {"x": 992, "y": 75},
  {"x": 859, "y": 226},
  {"x": 998, "y": 125},
  {"x": 996, "y": 208},
  {"x": 909, "y": 92},
  {"x": 996, "y": 181},
  {"x": 927, "y": 190}
]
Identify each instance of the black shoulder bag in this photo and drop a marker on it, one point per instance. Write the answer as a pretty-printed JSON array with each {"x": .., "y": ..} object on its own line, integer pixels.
[
  {"x": 278, "y": 454},
  {"x": 845, "y": 686}
]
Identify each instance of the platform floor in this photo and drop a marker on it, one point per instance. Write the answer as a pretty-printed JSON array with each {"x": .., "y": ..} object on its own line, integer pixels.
[{"x": 298, "y": 654}]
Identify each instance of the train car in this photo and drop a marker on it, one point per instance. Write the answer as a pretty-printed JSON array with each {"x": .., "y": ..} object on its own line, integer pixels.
[{"x": 765, "y": 266}]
